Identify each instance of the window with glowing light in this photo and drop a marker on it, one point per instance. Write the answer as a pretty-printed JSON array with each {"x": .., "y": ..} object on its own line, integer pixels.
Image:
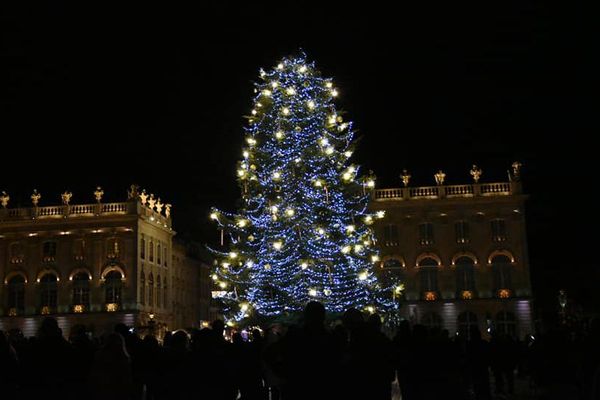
[
  {"x": 428, "y": 276},
  {"x": 390, "y": 235},
  {"x": 16, "y": 294},
  {"x": 465, "y": 277},
  {"x": 48, "y": 290},
  {"x": 113, "y": 286},
  {"x": 498, "y": 230},
  {"x": 461, "y": 229},
  {"x": 501, "y": 271},
  {"x": 426, "y": 234},
  {"x": 81, "y": 289}
]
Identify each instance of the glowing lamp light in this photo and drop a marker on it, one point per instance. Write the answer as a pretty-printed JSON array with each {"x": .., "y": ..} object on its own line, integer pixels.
[
  {"x": 279, "y": 135},
  {"x": 321, "y": 231},
  {"x": 249, "y": 263},
  {"x": 398, "y": 289},
  {"x": 371, "y": 183},
  {"x": 318, "y": 183},
  {"x": 276, "y": 175},
  {"x": 215, "y": 277},
  {"x": 277, "y": 245},
  {"x": 302, "y": 69},
  {"x": 244, "y": 307},
  {"x": 342, "y": 126},
  {"x": 251, "y": 141},
  {"x": 285, "y": 111},
  {"x": 334, "y": 93},
  {"x": 233, "y": 254},
  {"x": 297, "y": 160},
  {"x": 327, "y": 292},
  {"x": 274, "y": 84},
  {"x": 380, "y": 214},
  {"x": 291, "y": 91},
  {"x": 358, "y": 248},
  {"x": 223, "y": 285},
  {"x": 280, "y": 66},
  {"x": 329, "y": 150},
  {"x": 370, "y": 309},
  {"x": 253, "y": 112},
  {"x": 241, "y": 173},
  {"x": 375, "y": 258},
  {"x": 347, "y": 176},
  {"x": 331, "y": 119},
  {"x": 329, "y": 85},
  {"x": 274, "y": 209},
  {"x": 368, "y": 220},
  {"x": 311, "y": 104},
  {"x": 242, "y": 223},
  {"x": 324, "y": 141},
  {"x": 290, "y": 212},
  {"x": 230, "y": 324},
  {"x": 346, "y": 249},
  {"x": 348, "y": 153},
  {"x": 246, "y": 154},
  {"x": 225, "y": 265},
  {"x": 363, "y": 276},
  {"x": 350, "y": 228},
  {"x": 214, "y": 216},
  {"x": 304, "y": 265},
  {"x": 267, "y": 92},
  {"x": 312, "y": 292}
]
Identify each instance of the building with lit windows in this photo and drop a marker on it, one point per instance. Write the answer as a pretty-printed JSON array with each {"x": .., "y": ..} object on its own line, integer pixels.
[
  {"x": 97, "y": 264},
  {"x": 461, "y": 252}
]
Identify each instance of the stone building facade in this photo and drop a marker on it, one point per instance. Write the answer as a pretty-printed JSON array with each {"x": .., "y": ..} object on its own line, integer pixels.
[
  {"x": 460, "y": 251},
  {"x": 97, "y": 264}
]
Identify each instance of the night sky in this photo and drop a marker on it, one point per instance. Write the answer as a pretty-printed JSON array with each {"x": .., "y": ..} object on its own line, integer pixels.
[{"x": 156, "y": 95}]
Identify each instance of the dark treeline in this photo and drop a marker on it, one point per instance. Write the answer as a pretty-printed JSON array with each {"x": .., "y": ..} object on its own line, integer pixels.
[{"x": 353, "y": 360}]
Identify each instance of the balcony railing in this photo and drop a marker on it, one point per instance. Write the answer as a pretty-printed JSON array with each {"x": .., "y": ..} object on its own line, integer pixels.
[{"x": 447, "y": 191}]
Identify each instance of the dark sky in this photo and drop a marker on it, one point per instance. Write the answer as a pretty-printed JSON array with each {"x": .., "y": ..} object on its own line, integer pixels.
[{"x": 155, "y": 95}]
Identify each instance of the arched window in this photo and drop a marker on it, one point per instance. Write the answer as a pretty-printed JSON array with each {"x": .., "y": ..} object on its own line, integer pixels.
[
  {"x": 506, "y": 323},
  {"x": 142, "y": 248},
  {"x": 432, "y": 320},
  {"x": 465, "y": 277},
  {"x": 81, "y": 289},
  {"x": 16, "y": 294},
  {"x": 48, "y": 290},
  {"x": 113, "y": 286},
  {"x": 151, "y": 290},
  {"x": 151, "y": 251},
  {"x": 158, "y": 254},
  {"x": 142, "y": 288},
  {"x": 428, "y": 271},
  {"x": 501, "y": 266},
  {"x": 158, "y": 293},
  {"x": 466, "y": 322},
  {"x": 165, "y": 302}
]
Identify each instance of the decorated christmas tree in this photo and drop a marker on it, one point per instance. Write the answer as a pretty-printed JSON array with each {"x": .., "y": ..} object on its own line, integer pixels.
[{"x": 302, "y": 232}]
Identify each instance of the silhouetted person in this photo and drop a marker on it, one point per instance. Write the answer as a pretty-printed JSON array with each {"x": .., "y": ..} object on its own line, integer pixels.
[
  {"x": 379, "y": 360},
  {"x": 478, "y": 363},
  {"x": 9, "y": 368},
  {"x": 310, "y": 358},
  {"x": 111, "y": 377},
  {"x": 83, "y": 355}
]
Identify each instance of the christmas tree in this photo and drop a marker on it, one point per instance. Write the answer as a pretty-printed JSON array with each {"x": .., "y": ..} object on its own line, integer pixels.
[{"x": 302, "y": 232}]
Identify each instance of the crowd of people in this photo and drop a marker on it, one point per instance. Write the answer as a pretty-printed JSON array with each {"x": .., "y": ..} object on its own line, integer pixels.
[{"x": 352, "y": 359}]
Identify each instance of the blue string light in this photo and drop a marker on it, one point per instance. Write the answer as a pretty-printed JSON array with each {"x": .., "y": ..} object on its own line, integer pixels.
[{"x": 302, "y": 232}]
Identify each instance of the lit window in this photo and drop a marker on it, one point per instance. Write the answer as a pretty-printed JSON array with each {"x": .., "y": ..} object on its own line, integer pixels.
[
  {"x": 426, "y": 233},
  {"x": 498, "y": 230},
  {"x": 461, "y": 229}
]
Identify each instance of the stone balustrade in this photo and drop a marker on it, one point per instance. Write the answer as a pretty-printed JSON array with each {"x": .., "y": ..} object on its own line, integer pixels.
[{"x": 447, "y": 191}]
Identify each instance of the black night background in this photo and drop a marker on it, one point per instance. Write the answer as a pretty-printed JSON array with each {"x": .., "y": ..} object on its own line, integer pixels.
[{"x": 155, "y": 94}]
